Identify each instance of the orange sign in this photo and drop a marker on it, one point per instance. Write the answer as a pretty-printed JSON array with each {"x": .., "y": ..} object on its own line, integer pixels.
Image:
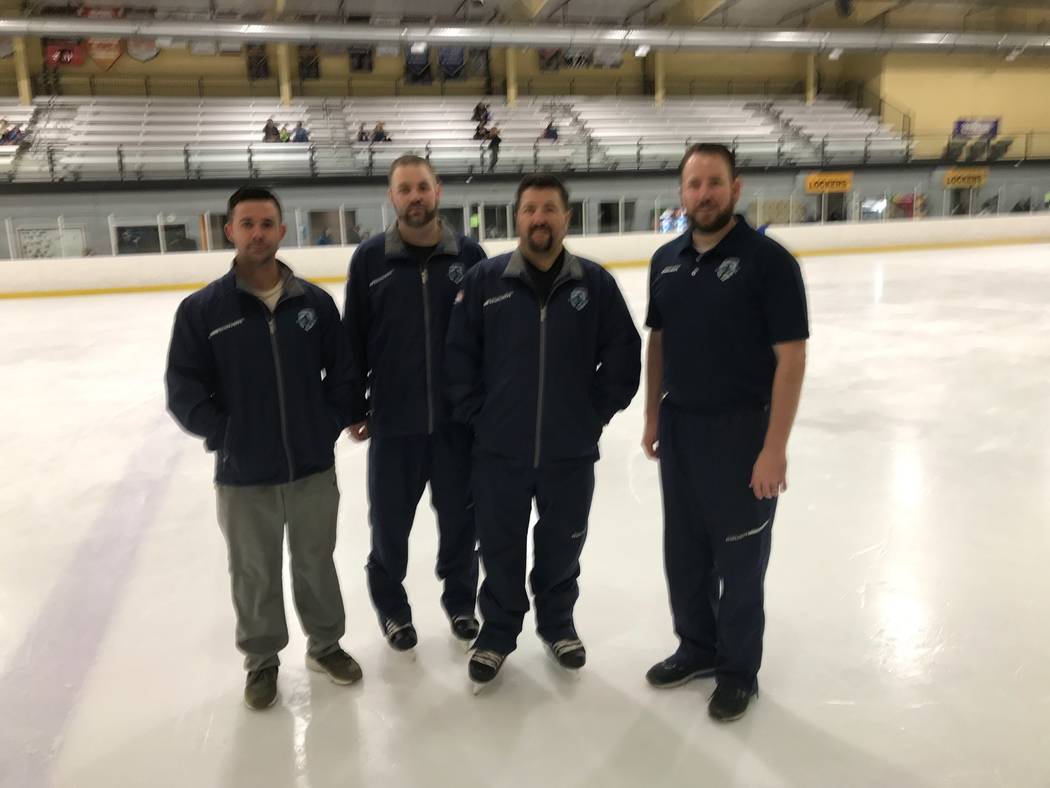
[
  {"x": 829, "y": 182},
  {"x": 966, "y": 178}
]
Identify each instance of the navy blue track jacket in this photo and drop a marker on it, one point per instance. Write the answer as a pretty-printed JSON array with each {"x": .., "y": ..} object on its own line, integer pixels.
[
  {"x": 396, "y": 317},
  {"x": 538, "y": 382},
  {"x": 269, "y": 393}
]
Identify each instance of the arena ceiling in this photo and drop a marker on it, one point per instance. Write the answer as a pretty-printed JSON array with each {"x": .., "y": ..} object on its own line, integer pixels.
[{"x": 956, "y": 15}]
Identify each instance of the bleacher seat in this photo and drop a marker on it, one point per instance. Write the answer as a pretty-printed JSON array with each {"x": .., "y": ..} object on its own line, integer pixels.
[{"x": 137, "y": 138}]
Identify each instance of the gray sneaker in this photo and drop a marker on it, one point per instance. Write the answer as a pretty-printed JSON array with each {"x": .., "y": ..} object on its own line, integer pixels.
[
  {"x": 260, "y": 689},
  {"x": 340, "y": 666}
]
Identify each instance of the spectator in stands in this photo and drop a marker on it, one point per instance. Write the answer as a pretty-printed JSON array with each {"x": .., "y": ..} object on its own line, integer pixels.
[
  {"x": 300, "y": 134},
  {"x": 494, "y": 142},
  {"x": 325, "y": 238},
  {"x": 353, "y": 235},
  {"x": 665, "y": 223},
  {"x": 551, "y": 132},
  {"x": 481, "y": 112},
  {"x": 481, "y": 132},
  {"x": 362, "y": 133},
  {"x": 13, "y": 136},
  {"x": 284, "y": 135},
  {"x": 379, "y": 133},
  {"x": 270, "y": 132}
]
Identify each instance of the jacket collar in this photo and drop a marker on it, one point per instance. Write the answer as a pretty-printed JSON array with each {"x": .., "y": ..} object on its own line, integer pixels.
[
  {"x": 571, "y": 267},
  {"x": 394, "y": 244},
  {"x": 293, "y": 285}
]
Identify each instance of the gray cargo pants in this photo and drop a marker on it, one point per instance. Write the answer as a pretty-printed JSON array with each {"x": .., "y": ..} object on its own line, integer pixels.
[{"x": 253, "y": 519}]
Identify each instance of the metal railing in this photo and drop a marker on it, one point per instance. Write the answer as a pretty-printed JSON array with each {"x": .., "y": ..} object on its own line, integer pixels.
[
  {"x": 581, "y": 85},
  {"x": 55, "y": 82},
  {"x": 705, "y": 86},
  {"x": 129, "y": 162}
]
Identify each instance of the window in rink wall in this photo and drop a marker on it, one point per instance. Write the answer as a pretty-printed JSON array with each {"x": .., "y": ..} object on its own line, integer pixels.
[
  {"x": 323, "y": 229},
  {"x": 497, "y": 221},
  {"x": 578, "y": 220},
  {"x": 618, "y": 216},
  {"x": 143, "y": 238}
]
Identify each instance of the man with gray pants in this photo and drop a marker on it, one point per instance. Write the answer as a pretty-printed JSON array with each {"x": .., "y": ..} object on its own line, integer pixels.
[{"x": 259, "y": 368}]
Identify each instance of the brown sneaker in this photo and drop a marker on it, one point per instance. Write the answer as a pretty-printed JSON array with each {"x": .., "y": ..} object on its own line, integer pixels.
[
  {"x": 340, "y": 666},
  {"x": 260, "y": 689}
]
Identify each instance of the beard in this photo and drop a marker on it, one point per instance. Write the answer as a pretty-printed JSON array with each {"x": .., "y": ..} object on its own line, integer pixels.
[
  {"x": 720, "y": 220},
  {"x": 539, "y": 247},
  {"x": 418, "y": 216}
]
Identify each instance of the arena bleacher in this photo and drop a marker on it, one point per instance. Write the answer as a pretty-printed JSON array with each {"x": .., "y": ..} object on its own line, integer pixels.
[{"x": 132, "y": 138}]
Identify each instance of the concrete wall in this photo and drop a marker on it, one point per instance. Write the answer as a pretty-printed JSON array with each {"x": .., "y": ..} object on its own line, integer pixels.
[
  {"x": 329, "y": 263},
  {"x": 185, "y": 205},
  {"x": 938, "y": 90}
]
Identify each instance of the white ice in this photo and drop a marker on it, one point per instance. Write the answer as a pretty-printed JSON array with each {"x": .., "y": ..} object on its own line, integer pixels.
[{"x": 908, "y": 597}]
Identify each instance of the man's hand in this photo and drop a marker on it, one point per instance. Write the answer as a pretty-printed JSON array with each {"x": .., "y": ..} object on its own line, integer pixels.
[
  {"x": 358, "y": 432},
  {"x": 651, "y": 439},
  {"x": 769, "y": 476}
]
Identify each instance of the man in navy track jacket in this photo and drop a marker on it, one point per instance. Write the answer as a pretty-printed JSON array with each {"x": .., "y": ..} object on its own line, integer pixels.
[
  {"x": 259, "y": 367},
  {"x": 542, "y": 352},
  {"x": 399, "y": 294}
]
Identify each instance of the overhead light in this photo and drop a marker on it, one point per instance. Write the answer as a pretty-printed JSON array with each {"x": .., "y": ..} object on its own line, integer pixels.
[
  {"x": 642, "y": 51},
  {"x": 1013, "y": 55},
  {"x": 836, "y": 53},
  {"x": 418, "y": 48}
]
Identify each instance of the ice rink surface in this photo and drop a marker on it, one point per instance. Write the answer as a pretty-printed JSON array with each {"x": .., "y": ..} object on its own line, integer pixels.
[{"x": 908, "y": 596}]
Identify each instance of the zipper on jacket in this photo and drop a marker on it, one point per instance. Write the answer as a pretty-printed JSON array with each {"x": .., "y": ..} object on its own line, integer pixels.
[
  {"x": 543, "y": 366},
  {"x": 539, "y": 396},
  {"x": 426, "y": 338},
  {"x": 280, "y": 396}
]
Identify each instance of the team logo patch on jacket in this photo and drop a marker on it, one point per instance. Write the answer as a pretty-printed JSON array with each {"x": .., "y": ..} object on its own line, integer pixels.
[
  {"x": 578, "y": 298},
  {"x": 307, "y": 319},
  {"x": 455, "y": 273},
  {"x": 727, "y": 268}
]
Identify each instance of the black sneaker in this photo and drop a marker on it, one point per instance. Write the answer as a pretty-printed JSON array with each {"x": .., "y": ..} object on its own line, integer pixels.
[
  {"x": 340, "y": 667},
  {"x": 260, "y": 688},
  {"x": 484, "y": 666},
  {"x": 401, "y": 637},
  {"x": 569, "y": 653},
  {"x": 465, "y": 627},
  {"x": 729, "y": 702},
  {"x": 676, "y": 671}
]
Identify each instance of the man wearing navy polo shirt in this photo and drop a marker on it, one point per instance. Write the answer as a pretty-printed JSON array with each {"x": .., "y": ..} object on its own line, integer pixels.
[{"x": 725, "y": 362}]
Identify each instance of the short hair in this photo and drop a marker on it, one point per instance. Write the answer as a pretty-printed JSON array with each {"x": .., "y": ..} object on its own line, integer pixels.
[
  {"x": 709, "y": 149},
  {"x": 541, "y": 180},
  {"x": 411, "y": 160},
  {"x": 246, "y": 193}
]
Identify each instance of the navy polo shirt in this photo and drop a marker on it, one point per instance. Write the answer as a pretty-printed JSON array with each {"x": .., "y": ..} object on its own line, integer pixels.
[{"x": 720, "y": 313}]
